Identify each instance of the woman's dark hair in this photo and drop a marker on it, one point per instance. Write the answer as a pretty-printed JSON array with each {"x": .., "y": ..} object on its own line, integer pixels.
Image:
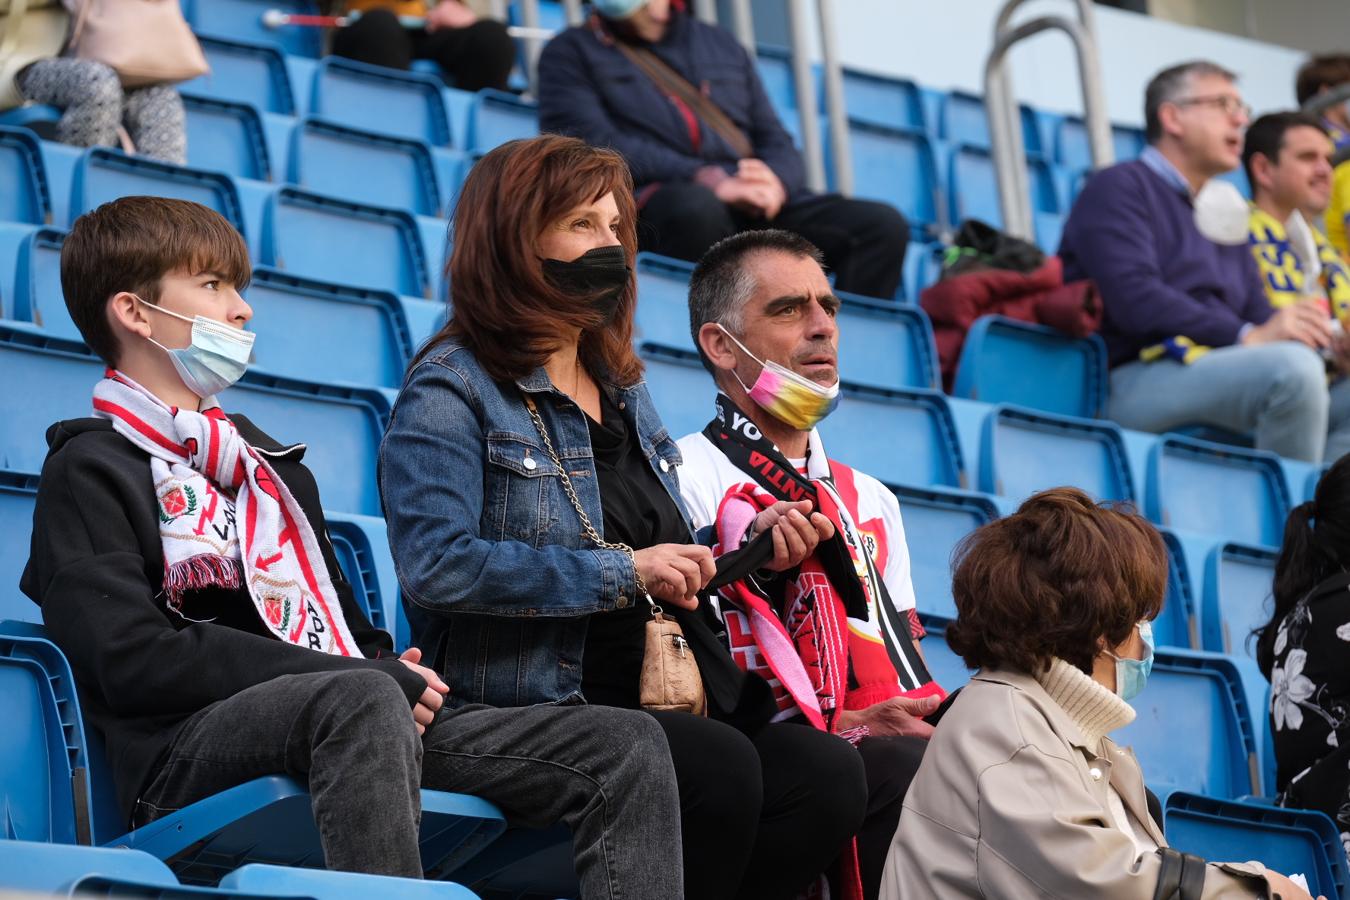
[
  {"x": 502, "y": 306},
  {"x": 1052, "y": 579},
  {"x": 1316, "y": 535}
]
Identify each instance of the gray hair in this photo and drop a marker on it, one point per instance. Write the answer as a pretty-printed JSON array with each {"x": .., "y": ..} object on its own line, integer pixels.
[{"x": 1169, "y": 85}]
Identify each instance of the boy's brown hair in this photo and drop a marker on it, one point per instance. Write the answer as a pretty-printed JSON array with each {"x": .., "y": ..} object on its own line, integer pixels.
[{"x": 130, "y": 245}]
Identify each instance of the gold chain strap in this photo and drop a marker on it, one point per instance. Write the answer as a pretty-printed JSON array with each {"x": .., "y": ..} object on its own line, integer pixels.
[{"x": 587, "y": 528}]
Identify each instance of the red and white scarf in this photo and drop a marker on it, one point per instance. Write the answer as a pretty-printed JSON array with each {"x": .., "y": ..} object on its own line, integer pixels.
[{"x": 208, "y": 481}]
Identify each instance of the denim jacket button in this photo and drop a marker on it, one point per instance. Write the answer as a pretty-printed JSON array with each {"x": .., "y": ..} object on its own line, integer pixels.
[
  {"x": 530, "y": 463},
  {"x": 665, "y": 466},
  {"x": 623, "y": 405},
  {"x": 622, "y": 602}
]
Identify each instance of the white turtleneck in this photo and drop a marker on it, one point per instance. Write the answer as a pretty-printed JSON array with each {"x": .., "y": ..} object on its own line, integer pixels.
[{"x": 1097, "y": 712}]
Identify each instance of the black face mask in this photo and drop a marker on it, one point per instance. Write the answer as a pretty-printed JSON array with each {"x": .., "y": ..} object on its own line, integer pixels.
[{"x": 599, "y": 275}]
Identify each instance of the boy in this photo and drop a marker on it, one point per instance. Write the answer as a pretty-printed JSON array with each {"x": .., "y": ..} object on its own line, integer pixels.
[{"x": 181, "y": 562}]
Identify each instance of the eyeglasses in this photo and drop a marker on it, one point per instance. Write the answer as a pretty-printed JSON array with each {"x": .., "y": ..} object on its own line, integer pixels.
[{"x": 1230, "y": 105}]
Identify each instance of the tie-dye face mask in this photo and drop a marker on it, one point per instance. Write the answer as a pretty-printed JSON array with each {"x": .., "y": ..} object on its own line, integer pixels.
[{"x": 791, "y": 398}]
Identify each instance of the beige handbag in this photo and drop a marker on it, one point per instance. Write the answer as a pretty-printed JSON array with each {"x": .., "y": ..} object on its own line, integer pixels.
[
  {"x": 29, "y": 30},
  {"x": 144, "y": 41},
  {"x": 670, "y": 678}
]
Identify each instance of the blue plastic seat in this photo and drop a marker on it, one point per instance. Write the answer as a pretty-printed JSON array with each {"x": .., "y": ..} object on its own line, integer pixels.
[
  {"x": 947, "y": 669},
  {"x": 330, "y": 333},
  {"x": 334, "y": 240},
  {"x": 1007, "y": 361},
  {"x": 245, "y": 72},
  {"x": 271, "y": 880},
  {"x": 243, "y": 20},
  {"x": 1237, "y": 595},
  {"x": 964, "y": 120},
  {"x": 18, "y": 491},
  {"x": 103, "y": 174},
  {"x": 885, "y": 345},
  {"x": 774, "y": 65},
  {"x": 62, "y": 870},
  {"x": 58, "y": 378},
  {"x": 362, "y": 548},
  {"x": 681, "y": 389},
  {"x": 898, "y": 167},
  {"x": 1310, "y": 483},
  {"x": 1024, "y": 451},
  {"x": 1202, "y": 694},
  {"x": 663, "y": 301},
  {"x": 889, "y": 102},
  {"x": 1073, "y": 151},
  {"x": 973, "y": 186},
  {"x": 1049, "y": 227},
  {"x": 1285, "y": 840},
  {"x": 922, "y": 269},
  {"x": 387, "y": 101},
  {"x": 1214, "y": 489},
  {"x": 497, "y": 117},
  {"x": 24, "y": 194},
  {"x": 1176, "y": 625},
  {"x": 901, "y": 438},
  {"x": 38, "y": 297},
  {"x": 364, "y": 167},
  {"x": 936, "y": 520},
  {"x": 226, "y": 136}
]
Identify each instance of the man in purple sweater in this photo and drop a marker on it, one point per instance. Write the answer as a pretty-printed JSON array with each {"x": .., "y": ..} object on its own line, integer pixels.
[{"x": 1191, "y": 336}]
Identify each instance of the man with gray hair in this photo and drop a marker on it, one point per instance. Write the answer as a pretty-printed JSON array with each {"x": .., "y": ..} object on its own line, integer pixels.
[
  {"x": 1192, "y": 339},
  {"x": 836, "y": 637}
]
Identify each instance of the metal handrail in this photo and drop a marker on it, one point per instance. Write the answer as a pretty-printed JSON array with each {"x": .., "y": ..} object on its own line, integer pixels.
[
  {"x": 706, "y": 11},
  {"x": 742, "y": 24},
  {"x": 529, "y": 17},
  {"x": 572, "y": 12},
  {"x": 798, "y": 29},
  {"x": 835, "y": 109}
]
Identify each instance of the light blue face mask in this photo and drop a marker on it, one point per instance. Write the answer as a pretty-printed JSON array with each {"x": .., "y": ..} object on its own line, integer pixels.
[
  {"x": 618, "y": 9},
  {"x": 216, "y": 358},
  {"x": 1132, "y": 674}
]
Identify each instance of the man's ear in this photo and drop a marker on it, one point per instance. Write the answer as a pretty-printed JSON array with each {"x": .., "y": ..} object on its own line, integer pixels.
[
  {"x": 1169, "y": 117},
  {"x": 127, "y": 315},
  {"x": 717, "y": 346},
  {"x": 1261, "y": 175}
]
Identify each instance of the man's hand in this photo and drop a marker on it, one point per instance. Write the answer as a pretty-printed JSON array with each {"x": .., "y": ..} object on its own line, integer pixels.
[
  {"x": 1305, "y": 322},
  {"x": 752, "y": 198},
  {"x": 796, "y": 532},
  {"x": 449, "y": 14},
  {"x": 897, "y": 716},
  {"x": 757, "y": 172},
  {"x": 675, "y": 573},
  {"x": 433, "y": 697}
]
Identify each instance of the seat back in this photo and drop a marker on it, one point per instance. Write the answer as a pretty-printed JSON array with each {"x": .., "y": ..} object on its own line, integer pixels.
[
  {"x": 663, "y": 301},
  {"x": 362, "y": 548},
  {"x": 386, "y": 101},
  {"x": 38, "y": 297},
  {"x": 18, "y": 491},
  {"x": 947, "y": 669},
  {"x": 964, "y": 120},
  {"x": 245, "y": 72},
  {"x": 497, "y": 117},
  {"x": 885, "y": 345},
  {"x": 1024, "y": 451},
  {"x": 226, "y": 136},
  {"x": 1007, "y": 361},
  {"x": 364, "y": 167},
  {"x": 1238, "y": 581},
  {"x": 1214, "y": 489},
  {"x": 1203, "y": 694},
  {"x": 1176, "y": 625},
  {"x": 1073, "y": 151},
  {"x": 774, "y": 65},
  {"x": 58, "y": 378},
  {"x": 329, "y": 333},
  {"x": 681, "y": 389},
  {"x": 243, "y": 20},
  {"x": 24, "y": 194},
  {"x": 898, "y": 167},
  {"x": 103, "y": 174},
  {"x": 334, "y": 240},
  {"x": 936, "y": 520},
  {"x": 898, "y": 437},
  {"x": 972, "y": 186},
  {"x": 889, "y": 102}
]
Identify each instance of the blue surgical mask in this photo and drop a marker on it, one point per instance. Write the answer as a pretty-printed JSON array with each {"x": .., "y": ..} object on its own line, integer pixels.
[
  {"x": 216, "y": 358},
  {"x": 1132, "y": 674}
]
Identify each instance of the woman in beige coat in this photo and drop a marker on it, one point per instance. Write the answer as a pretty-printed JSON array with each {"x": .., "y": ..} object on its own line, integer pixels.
[{"x": 1021, "y": 794}]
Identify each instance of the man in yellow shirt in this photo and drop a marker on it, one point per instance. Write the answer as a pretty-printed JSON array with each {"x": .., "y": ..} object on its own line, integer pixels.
[{"x": 1319, "y": 75}]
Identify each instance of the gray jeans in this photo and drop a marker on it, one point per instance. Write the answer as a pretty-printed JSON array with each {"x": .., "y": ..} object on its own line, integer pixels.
[
  {"x": 1277, "y": 392},
  {"x": 604, "y": 772}
]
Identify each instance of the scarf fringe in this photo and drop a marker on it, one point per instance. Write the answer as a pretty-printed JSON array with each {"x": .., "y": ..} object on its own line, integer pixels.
[{"x": 201, "y": 571}]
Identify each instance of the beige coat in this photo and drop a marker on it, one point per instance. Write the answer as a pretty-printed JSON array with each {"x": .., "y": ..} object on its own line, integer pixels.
[
  {"x": 1010, "y": 802},
  {"x": 29, "y": 30}
]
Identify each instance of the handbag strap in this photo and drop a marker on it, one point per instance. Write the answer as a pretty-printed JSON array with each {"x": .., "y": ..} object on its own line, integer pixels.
[
  {"x": 676, "y": 85},
  {"x": 586, "y": 527}
]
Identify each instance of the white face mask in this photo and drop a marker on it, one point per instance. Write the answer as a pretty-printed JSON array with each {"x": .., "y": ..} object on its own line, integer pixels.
[
  {"x": 216, "y": 358},
  {"x": 1221, "y": 214},
  {"x": 1304, "y": 245}
]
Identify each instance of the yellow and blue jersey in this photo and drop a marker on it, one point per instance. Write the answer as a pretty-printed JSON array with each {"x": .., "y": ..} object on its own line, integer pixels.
[{"x": 1282, "y": 273}]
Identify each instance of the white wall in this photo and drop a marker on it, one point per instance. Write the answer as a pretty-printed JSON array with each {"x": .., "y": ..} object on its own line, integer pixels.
[{"x": 943, "y": 44}]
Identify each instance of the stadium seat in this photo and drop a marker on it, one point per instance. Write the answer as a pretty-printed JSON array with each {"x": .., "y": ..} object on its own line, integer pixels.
[
  {"x": 1073, "y": 151},
  {"x": 103, "y": 174},
  {"x": 1310, "y": 484},
  {"x": 242, "y": 20},
  {"x": 1024, "y": 451},
  {"x": 888, "y": 102},
  {"x": 681, "y": 389},
  {"x": 1206, "y": 488},
  {"x": 885, "y": 345},
  {"x": 328, "y": 332},
  {"x": 1285, "y": 840},
  {"x": 280, "y": 881},
  {"x": 497, "y": 117},
  {"x": 226, "y": 136},
  {"x": 387, "y": 101},
  {"x": 947, "y": 669},
  {"x": 37, "y": 296},
  {"x": 245, "y": 72},
  {"x": 334, "y": 240},
  {"x": 362, "y": 547},
  {"x": 1176, "y": 625},
  {"x": 964, "y": 121},
  {"x": 1218, "y": 756},
  {"x": 24, "y": 194},
  {"x": 923, "y": 266},
  {"x": 29, "y": 868},
  {"x": 1238, "y": 581},
  {"x": 774, "y": 65},
  {"x": 935, "y": 521},
  {"x": 901, "y": 438},
  {"x": 663, "y": 301},
  {"x": 18, "y": 491},
  {"x": 1049, "y": 228},
  {"x": 972, "y": 186},
  {"x": 364, "y": 167},
  {"x": 58, "y": 376},
  {"x": 1007, "y": 361},
  {"x": 898, "y": 167}
]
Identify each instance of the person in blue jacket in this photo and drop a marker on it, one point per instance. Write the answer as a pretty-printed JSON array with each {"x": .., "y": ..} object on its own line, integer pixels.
[{"x": 681, "y": 100}]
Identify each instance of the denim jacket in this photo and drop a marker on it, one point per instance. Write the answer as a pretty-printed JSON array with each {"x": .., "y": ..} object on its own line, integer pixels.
[{"x": 498, "y": 579}]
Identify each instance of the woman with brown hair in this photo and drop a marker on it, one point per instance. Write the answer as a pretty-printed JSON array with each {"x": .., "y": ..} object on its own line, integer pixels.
[
  {"x": 535, "y": 518},
  {"x": 1021, "y": 793}
]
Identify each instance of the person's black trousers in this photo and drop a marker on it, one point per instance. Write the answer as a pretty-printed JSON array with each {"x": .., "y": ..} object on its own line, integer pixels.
[{"x": 479, "y": 56}]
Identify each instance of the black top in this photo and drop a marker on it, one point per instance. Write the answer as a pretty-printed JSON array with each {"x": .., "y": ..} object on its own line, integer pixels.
[{"x": 638, "y": 512}]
